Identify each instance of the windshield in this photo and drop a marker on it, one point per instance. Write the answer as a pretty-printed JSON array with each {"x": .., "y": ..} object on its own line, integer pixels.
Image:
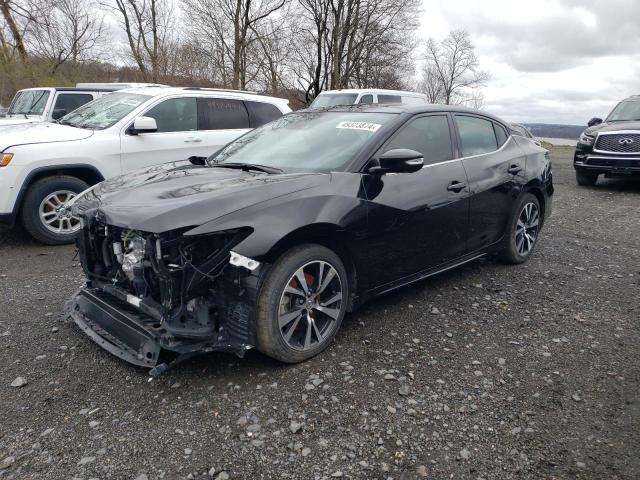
[
  {"x": 104, "y": 111},
  {"x": 309, "y": 141},
  {"x": 625, "y": 112},
  {"x": 331, "y": 99},
  {"x": 29, "y": 102}
]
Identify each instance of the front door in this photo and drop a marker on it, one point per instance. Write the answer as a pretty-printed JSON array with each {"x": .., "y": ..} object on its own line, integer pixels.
[
  {"x": 177, "y": 137},
  {"x": 417, "y": 221}
]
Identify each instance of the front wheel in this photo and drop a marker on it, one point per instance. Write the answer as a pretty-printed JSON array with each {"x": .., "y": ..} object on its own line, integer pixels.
[
  {"x": 301, "y": 303},
  {"x": 586, "y": 179},
  {"x": 44, "y": 214},
  {"x": 524, "y": 228}
]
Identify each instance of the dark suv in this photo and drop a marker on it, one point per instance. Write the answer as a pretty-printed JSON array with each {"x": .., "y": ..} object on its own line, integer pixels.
[{"x": 611, "y": 147}]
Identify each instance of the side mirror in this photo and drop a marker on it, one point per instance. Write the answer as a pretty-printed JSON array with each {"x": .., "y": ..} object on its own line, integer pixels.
[
  {"x": 399, "y": 160},
  {"x": 143, "y": 125},
  {"x": 59, "y": 113},
  {"x": 594, "y": 121}
]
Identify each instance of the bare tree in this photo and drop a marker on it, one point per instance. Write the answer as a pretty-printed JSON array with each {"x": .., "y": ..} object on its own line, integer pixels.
[
  {"x": 66, "y": 30},
  {"x": 453, "y": 64},
  {"x": 430, "y": 83},
  {"x": 229, "y": 27},
  {"x": 8, "y": 9},
  {"x": 147, "y": 25}
]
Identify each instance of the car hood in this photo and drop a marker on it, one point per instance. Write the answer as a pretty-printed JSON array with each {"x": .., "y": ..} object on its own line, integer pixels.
[
  {"x": 178, "y": 195},
  {"x": 612, "y": 127},
  {"x": 6, "y": 121},
  {"x": 39, "y": 132}
]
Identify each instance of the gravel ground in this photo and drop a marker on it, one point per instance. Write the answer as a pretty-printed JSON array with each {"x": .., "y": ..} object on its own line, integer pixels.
[{"x": 488, "y": 371}]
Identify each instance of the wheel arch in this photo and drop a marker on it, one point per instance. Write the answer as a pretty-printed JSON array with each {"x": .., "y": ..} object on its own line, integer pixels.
[
  {"x": 85, "y": 172},
  {"x": 328, "y": 235}
]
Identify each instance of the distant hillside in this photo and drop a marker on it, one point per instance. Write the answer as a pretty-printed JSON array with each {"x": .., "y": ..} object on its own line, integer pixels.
[{"x": 548, "y": 130}]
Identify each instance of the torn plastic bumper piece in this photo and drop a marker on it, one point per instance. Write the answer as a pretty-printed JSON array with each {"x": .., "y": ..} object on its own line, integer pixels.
[{"x": 133, "y": 336}]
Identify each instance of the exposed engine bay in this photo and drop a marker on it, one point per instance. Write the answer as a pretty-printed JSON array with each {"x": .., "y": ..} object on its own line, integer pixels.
[{"x": 151, "y": 298}]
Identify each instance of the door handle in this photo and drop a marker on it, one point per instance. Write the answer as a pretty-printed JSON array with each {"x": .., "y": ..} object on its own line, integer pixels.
[
  {"x": 514, "y": 169},
  {"x": 192, "y": 140},
  {"x": 456, "y": 186}
]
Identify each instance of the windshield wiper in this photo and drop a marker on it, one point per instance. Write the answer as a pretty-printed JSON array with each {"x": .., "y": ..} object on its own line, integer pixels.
[{"x": 248, "y": 166}]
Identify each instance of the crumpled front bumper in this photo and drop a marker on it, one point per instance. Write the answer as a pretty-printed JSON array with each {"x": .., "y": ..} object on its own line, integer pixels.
[{"x": 134, "y": 337}]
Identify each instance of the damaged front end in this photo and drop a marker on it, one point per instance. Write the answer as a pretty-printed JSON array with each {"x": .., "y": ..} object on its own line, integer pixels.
[{"x": 154, "y": 299}]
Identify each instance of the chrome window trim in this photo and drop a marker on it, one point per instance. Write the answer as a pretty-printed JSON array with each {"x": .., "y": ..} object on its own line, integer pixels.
[{"x": 504, "y": 145}]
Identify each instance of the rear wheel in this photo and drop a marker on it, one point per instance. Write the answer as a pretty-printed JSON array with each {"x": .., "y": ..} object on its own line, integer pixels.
[
  {"x": 301, "y": 303},
  {"x": 524, "y": 228},
  {"x": 586, "y": 179},
  {"x": 44, "y": 213}
]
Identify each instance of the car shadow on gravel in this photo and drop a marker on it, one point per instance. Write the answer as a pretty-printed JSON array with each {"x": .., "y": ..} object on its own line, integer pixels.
[{"x": 627, "y": 185}]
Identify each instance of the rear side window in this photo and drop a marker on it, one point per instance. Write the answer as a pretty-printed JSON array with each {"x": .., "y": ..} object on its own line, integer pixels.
[
  {"x": 389, "y": 99},
  {"x": 477, "y": 135},
  {"x": 175, "y": 115},
  {"x": 262, "y": 113},
  {"x": 68, "y": 102},
  {"x": 221, "y": 114},
  {"x": 427, "y": 135},
  {"x": 366, "y": 99}
]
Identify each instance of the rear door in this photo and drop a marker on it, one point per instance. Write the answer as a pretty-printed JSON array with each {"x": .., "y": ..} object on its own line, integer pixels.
[
  {"x": 220, "y": 120},
  {"x": 418, "y": 220},
  {"x": 495, "y": 166},
  {"x": 177, "y": 137}
]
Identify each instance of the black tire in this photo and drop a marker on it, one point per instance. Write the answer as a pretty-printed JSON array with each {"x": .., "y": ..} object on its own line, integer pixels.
[
  {"x": 37, "y": 193},
  {"x": 586, "y": 179},
  {"x": 511, "y": 251},
  {"x": 270, "y": 336}
]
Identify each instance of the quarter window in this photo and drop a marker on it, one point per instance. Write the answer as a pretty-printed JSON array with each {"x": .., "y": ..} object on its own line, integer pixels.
[
  {"x": 427, "y": 135},
  {"x": 501, "y": 135},
  {"x": 366, "y": 99},
  {"x": 477, "y": 135},
  {"x": 175, "y": 115},
  {"x": 221, "y": 114},
  {"x": 262, "y": 113}
]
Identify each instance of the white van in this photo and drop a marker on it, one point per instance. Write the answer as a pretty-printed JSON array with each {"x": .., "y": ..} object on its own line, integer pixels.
[
  {"x": 330, "y": 98},
  {"x": 44, "y": 165}
]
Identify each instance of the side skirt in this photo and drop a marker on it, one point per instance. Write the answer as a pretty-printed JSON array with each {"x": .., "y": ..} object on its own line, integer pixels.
[{"x": 424, "y": 274}]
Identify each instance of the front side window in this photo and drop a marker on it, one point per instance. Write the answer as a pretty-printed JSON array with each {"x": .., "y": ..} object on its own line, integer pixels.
[
  {"x": 307, "y": 141},
  {"x": 333, "y": 99},
  {"x": 476, "y": 135},
  {"x": 175, "y": 115},
  {"x": 221, "y": 114},
  {"x": 68, "y": 102},
  {"x": 366, "y": 99},
  {"x": 105, "y": 111},
  {"x": 427, "y": 135},
  {"x": 29, "y": 102}
]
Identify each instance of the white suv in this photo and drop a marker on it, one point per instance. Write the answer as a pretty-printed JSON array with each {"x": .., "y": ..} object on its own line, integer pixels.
[
  {"x": 353, "y": 96},
  {"x": 44, "y": 165}
]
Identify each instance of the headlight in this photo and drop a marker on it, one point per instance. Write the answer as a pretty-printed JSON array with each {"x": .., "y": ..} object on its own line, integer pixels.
[
  {"x": 5, "y": 159},
  {"x": 586, "y": 139}
]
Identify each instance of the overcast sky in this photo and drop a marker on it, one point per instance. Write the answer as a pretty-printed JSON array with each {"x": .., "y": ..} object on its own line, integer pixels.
[{"x": 551, "y": 61}]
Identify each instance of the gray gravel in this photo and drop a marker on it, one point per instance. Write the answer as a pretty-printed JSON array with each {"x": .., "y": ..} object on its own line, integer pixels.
[{"x": 489, "y": 372}]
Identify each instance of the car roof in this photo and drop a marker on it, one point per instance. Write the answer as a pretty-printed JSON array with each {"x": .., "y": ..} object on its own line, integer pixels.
[
  {"x": 398, "y": 108},
  {"x": 372, "y": 90},
  {"x": 74, "y": 89},
  {"x": 157, "y": 91}
]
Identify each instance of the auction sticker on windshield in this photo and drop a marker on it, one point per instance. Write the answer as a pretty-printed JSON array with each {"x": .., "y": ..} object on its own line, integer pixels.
[{"x": 369, "y": 127}]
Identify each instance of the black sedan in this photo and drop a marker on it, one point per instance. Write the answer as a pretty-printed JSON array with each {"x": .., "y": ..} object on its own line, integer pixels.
[{"x": 272, "y": 240}]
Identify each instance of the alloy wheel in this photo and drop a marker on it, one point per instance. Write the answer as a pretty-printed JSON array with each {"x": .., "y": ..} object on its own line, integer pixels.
[
  {"x": 310, "y": 305},
  {"x": 55, "y": 216},
  {"x": 527, "y": 228}
]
